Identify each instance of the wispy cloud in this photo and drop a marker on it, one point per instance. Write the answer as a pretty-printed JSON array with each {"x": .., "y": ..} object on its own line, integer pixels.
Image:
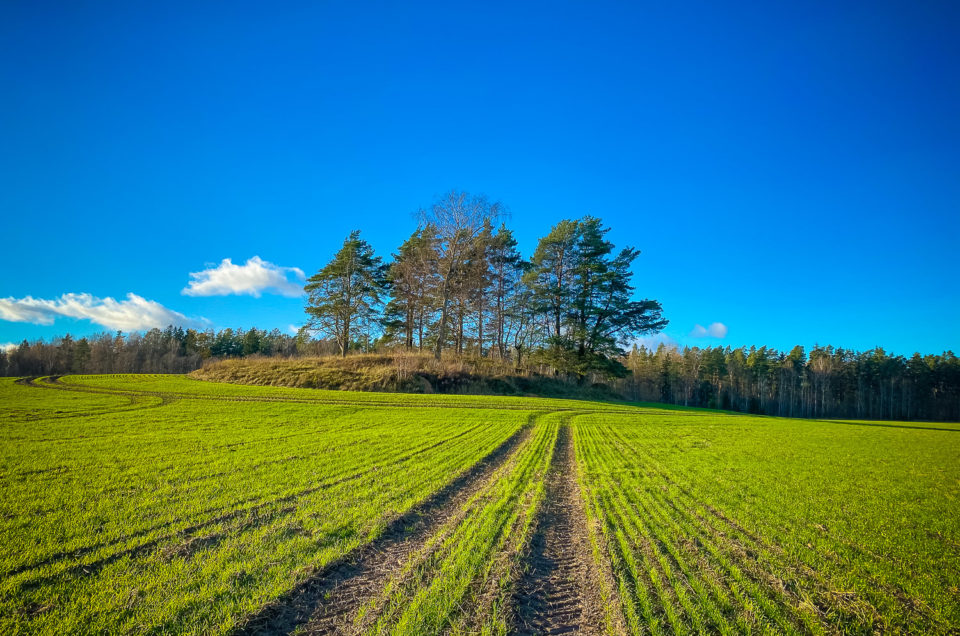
[
  {"x": 715, "y": 330},
  {"x": 253, "y": 278},
  {"x": 133, "y": 314}
]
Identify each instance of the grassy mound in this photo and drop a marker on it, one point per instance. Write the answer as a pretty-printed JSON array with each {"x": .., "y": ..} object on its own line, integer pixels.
[{"x": 400, "y": 373}]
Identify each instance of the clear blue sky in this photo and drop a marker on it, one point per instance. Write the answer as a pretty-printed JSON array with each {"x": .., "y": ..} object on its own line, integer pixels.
[{"x": 790, "y": 171}]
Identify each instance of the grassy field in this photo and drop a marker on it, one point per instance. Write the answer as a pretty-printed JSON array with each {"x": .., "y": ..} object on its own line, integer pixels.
[{"x": 165, "y": 504}]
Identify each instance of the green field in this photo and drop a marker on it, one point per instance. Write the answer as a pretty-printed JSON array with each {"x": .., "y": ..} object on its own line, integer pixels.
[{"x": 162, "y": 504}]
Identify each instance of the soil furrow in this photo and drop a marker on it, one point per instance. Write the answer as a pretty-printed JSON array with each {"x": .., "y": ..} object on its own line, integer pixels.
[
  {"x": 327, "y": 602},
  {"x": 557, "y": 594}
]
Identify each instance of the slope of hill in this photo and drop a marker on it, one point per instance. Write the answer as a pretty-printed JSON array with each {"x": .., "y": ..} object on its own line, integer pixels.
[{"x": 402, "y": 373}]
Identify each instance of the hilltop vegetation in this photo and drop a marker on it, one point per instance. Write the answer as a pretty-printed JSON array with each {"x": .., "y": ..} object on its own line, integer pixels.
[
  {"x": 459, "y": 284},
  {"x": 163, "y": 504},
  {"x": 399, "y": 372}
]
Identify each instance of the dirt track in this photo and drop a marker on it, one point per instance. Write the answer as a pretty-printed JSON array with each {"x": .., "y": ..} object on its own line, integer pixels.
[
  {"x": 556, "y": 595},
  {"x": 327, "y": 602}
]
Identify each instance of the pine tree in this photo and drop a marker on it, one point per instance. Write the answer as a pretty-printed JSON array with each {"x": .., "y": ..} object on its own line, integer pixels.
[
  {"x": 550, "y": 273},
  {"x": 587, "y": 293},
  {"x": 411, "y": 280},
  {"x": 506, "y": 269},
  {"x": 346, "y": 292}
]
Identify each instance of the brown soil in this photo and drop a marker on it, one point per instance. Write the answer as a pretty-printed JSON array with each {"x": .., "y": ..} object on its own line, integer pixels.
[
  {"x": 327, "y": 602},
  {"x": 558, "y": 593}
]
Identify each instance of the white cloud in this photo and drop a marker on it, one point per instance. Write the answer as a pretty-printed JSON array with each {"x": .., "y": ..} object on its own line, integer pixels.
[
  {"x": 133, "y": 314},
  {"x": 8, "y": 346},
  {"x": 715, "y": 330},
  {"x": 253, "y": 277},
  {"x": 293, "y": 329}
]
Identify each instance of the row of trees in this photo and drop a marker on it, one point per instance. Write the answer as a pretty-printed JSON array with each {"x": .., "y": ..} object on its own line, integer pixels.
[
  {"x": 170, "y": 350},
  {"x": 827, "y": 382},
  {"x": 460, "y": 284}
]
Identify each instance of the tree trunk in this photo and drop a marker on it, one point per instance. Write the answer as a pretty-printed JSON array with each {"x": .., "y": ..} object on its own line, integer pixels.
[
  {"x": 458, "y": 346},
  {"x": 408, "y": 339},
  {"x": 442, "y": 327},
  {"x": 480, "y": 331}
]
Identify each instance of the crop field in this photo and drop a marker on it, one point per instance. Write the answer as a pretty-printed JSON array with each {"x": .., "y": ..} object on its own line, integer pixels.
[{"x": 163, "y": 504}]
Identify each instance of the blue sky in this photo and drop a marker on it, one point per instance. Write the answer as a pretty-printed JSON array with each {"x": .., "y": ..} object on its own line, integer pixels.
[{"x": 790, "y": 171}]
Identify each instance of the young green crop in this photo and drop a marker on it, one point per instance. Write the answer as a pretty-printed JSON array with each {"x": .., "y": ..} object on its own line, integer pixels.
[
  {"x": 161, "y": 503},
  {"x": 191, "y": 514},
  {"x": 460, "y": 561},
  {"x": 728, "y": 524}
]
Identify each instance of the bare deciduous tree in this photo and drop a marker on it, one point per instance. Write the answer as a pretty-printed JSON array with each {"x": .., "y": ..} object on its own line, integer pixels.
[{"x": 457, "y": 220}]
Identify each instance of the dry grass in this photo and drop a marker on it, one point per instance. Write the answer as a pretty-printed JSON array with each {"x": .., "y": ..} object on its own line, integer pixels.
[{"x": 401, "y": 372}]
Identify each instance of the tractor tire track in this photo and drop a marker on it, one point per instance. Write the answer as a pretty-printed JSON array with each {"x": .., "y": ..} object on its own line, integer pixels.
[
  {"x": 326, "y": 602},
  {"x": 145, "y": 548},
  {"x": 135, "y": 400},
  {"x": 557, "y": 594}
]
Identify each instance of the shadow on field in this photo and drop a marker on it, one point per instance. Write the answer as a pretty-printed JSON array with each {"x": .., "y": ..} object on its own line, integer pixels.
[
  {"x": 907, "y": 426},
  {"x": 386, "y": 401}
]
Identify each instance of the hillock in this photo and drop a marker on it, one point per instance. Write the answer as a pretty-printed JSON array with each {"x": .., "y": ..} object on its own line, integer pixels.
[{"x": 400, "y": 373}]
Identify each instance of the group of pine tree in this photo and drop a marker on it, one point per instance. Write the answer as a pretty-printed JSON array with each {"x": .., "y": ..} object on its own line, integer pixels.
[
  {"x": 459, "y": 287},
  {"x": 459, "y": 284}
]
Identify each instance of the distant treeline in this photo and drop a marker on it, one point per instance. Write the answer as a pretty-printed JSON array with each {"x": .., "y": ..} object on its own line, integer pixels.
[
  {"x": 829, "y": 382},
  {"x": 170, "y": 350}
]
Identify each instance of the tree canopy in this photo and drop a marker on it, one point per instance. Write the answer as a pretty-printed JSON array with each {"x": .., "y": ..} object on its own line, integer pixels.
[
  {"x": 459, "y": 284},
  {"x": 345, "y": 294},
  {"x": 587, "y": 291}
]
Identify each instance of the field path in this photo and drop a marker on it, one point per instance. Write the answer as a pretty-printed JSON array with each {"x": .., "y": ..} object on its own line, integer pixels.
[
  {"x": 327, "y": 602},
  {"x": 556, "y": 594}
]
